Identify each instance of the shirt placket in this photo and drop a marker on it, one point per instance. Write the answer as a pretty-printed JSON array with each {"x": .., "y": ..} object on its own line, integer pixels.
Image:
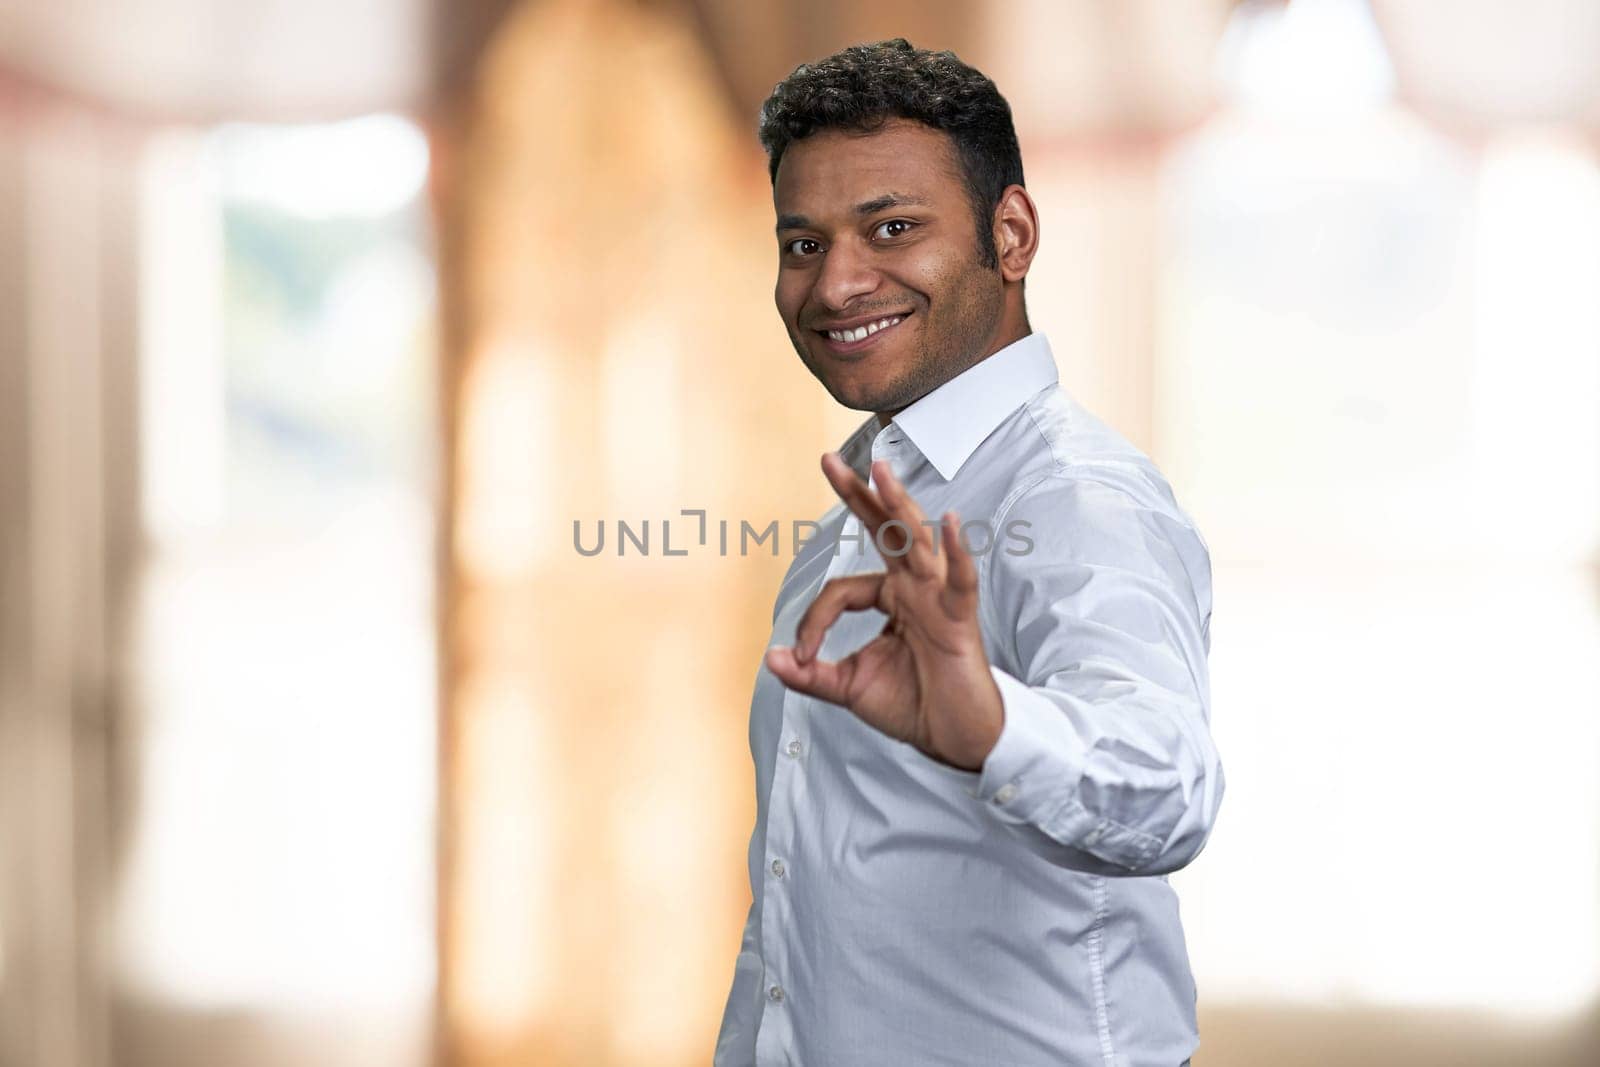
[{"x": 775, "y": 1035}]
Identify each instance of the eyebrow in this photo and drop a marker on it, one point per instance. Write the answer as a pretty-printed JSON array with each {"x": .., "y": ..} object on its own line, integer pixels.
[{"x": 868, "y": 207}]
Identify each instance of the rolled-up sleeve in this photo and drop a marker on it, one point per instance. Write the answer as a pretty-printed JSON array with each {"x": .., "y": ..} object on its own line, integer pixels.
[{"x": 1098, "y": 605}]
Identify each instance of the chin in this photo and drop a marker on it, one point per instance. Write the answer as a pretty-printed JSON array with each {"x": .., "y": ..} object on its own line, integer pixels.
[
  {"x": 870, "y": 398},
  {"x": 861, "y": 392}
]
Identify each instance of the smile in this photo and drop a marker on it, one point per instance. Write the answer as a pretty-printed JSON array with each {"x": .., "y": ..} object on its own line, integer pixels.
[{"x": 854, "y": 340}]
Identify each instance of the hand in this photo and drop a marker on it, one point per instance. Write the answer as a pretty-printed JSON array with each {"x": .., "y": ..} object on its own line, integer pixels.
[{"x": 925, "y": 678}]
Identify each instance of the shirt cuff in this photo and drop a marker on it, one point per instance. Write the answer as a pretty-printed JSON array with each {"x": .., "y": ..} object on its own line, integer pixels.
[
  {"x": 1031, "y": 776},
  {"x": 1029, "y": 734}
]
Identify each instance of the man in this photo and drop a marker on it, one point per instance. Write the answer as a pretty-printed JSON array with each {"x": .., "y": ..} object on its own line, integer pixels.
[{"x": 975, "y": 764}]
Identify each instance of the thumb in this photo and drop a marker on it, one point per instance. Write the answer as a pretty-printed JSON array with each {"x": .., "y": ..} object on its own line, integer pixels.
[{"x": 815, "y": 677}]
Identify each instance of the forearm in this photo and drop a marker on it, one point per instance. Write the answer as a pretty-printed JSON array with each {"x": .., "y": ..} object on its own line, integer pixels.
[
  {"x": 1127, "y": 783},
  {"x": 1099, "y": 642}
]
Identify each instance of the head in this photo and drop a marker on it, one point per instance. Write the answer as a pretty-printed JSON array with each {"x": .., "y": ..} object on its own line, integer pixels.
[{"x": 897, "y": 183}]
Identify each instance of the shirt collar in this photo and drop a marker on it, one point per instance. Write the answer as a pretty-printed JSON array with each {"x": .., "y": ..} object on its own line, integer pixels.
[{"x": 950, "y": 422}]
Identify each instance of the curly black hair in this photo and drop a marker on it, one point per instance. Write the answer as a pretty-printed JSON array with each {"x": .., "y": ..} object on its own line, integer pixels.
[{"x": 860, "y": 88}]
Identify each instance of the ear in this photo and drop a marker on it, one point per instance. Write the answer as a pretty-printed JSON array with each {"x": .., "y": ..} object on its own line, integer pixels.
[{"x": 1016, "y": 232}]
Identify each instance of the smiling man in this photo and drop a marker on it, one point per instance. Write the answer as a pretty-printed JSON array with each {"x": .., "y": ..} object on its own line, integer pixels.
[{"x": 981, "y": 740}]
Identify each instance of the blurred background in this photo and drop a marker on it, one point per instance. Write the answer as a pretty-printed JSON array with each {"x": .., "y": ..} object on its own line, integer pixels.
[{"x": 321, "y": 323}]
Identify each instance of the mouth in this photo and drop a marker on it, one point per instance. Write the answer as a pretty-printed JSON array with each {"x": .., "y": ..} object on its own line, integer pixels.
[{"x": 863, "y": 337}]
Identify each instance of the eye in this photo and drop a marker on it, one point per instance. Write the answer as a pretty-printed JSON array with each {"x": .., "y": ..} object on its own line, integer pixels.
[
  {"x": 790, "y": 247},
  {"x": 894, "y": 222}
]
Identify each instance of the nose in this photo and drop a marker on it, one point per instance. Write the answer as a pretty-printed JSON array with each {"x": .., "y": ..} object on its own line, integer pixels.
[{"x": 847, "y": 272}]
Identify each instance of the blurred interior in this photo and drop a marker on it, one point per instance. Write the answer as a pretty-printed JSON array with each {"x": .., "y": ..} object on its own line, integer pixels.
[{"x": 322, "y": 323}]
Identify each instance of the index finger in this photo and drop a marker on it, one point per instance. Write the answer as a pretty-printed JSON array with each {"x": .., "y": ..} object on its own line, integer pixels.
[
  {"x": 921, "y": 552},
  {"x": 857, "y": 495}
]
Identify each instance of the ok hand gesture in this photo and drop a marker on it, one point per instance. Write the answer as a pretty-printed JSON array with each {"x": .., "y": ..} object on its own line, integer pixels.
[{"x": 925, "y": 678}]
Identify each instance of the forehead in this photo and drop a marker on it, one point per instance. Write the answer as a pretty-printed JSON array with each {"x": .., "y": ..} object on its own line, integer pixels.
[{"x": 831, "y": 170}]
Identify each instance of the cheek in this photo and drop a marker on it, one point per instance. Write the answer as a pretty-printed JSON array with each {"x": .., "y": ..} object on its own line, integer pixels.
[
  {"x": 959, "y": 283},
  {"x": 788, "y": 294},
  {"x": 934, "y": 274}
]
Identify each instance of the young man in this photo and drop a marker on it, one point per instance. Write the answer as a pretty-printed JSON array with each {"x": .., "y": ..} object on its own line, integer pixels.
[{"x": 981, "y": 740}]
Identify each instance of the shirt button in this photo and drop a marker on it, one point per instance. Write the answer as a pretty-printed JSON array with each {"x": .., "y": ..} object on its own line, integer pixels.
[
  {"x": 775, "y": 994},
  {"x": 1004, "y": 794},
  {"x": 794, "y": 747},
  {"x": 777, "y": 868}
]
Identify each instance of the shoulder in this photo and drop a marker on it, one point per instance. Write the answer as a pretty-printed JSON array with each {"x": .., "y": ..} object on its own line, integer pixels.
[
  {"x": 1082, "y": 471},
  {"x": 1087, "y": 495}
]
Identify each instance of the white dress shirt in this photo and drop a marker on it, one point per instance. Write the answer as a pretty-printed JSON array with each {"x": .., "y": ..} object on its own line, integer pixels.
[{"x": 907, "y": 912}]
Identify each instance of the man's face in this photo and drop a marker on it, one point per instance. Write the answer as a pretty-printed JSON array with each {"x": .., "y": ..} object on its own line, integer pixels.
[{"x": 874, "y": 227}]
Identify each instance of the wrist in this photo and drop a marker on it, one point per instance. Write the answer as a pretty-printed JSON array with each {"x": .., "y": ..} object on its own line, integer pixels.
[{"x": 983, "y": 733}]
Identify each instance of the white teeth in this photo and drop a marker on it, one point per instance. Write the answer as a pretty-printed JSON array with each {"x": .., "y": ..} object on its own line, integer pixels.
[{"x": 846, "y": 336}]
